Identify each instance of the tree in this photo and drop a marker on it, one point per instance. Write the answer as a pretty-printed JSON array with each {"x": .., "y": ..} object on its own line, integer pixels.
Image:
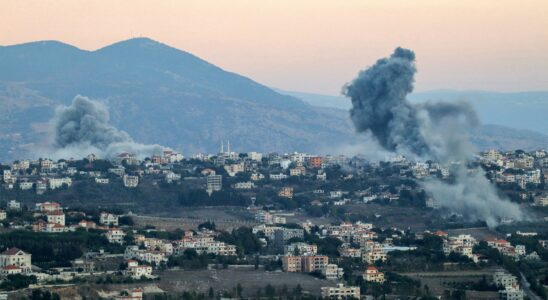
[
  {"x": 239, "y": 290},
  {"x": 17, "y": 281},
  {"x": 269, "y": 290},
  {"x": 211, "y": 293},
  {"x": 298, "y": 290}
]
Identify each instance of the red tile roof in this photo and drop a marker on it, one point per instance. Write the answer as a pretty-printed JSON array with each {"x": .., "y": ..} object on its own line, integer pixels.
[
  {"x": 11, "y": 267},
  {"x": 11, "y": 251}
]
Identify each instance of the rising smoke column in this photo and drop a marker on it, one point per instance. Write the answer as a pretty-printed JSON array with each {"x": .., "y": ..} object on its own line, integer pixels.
[
  {"x": 83, "y": 128},
  {"x": 433, "y": 130}
]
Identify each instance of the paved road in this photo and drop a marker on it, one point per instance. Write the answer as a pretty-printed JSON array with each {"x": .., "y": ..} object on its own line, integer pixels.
[{"x": 526, "y": 288}]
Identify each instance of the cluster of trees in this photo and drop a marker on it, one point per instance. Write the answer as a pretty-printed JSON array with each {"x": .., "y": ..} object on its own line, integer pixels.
[
  {"x": 268, "y": 291},
  {"x": 481, "y": 285},
  {"x": 534, "y": 271},
  {"x": 176, "y": 234},
  {"x": 244, "y": 240},
  {"x": 43, "y": 295},
  {"x": 190, "y": 259},
  {"x": 17, "y": 281},
  {"x": 57, "y": 250},
  {"x": 98, "y": 165},
  {"x": 199, "y": 197},
  {"x": 428, "y": 256}
]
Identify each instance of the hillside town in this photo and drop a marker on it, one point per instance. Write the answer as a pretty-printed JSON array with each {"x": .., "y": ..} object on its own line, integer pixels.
[{"x": 308, "y": 226}]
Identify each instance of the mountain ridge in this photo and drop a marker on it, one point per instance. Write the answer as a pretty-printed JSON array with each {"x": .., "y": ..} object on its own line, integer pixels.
[{"x": 158, "y": 94}]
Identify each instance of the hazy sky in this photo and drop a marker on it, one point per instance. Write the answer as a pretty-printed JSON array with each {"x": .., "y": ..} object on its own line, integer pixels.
[{"x": 313, "y": 46}]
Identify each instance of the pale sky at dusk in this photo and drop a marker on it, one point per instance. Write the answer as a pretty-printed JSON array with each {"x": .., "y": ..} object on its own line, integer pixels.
[{"x": 313, "y": 46}]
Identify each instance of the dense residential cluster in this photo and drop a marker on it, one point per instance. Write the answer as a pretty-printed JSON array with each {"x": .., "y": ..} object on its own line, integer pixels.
[{"x": 333, "y": 218}]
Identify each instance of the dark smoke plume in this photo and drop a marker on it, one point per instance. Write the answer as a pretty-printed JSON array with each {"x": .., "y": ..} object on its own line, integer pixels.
[
  {"x": 379, "y": 105},
  {"x": 83, "y": 128},
  {"x": 433, "y": 130}
]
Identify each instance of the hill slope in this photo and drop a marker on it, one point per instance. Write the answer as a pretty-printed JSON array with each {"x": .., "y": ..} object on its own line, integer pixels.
[
  {"x": 511, "y": 120},
  {"x": 158, "y": 94}
]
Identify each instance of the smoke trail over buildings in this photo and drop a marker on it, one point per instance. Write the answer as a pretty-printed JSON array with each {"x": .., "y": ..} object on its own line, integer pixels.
[
  {"x": 83, "y": 128},
  {"x": 433, "y": 130}
]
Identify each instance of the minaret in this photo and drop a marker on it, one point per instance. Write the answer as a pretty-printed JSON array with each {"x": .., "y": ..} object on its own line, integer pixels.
[
  {"x": 222, "y": 147},
  {"x": 228, "y": 142}
]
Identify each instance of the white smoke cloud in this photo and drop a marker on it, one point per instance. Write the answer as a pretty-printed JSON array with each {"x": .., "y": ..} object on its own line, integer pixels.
[{"x": 83, "y": 128}]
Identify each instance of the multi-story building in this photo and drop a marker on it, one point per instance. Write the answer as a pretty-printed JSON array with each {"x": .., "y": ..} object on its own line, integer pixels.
[
  {"x": 214, "y": 183},
  {"x": 303, "y": 249},
  {"x": 55, "y": 183},
  {"x": 26, "y": 185},
  {"x": 282, "y": 235},
  {"x": 511, "y": 293},
  {"x": 372, "y": 274},
  {"x": 308, "y": 264},
  {"x": 102, "y": 180},
  {"x": 244, "y": 185},
  {"x": 503, "y": 279},
  {"x": 108, "y": 219},
  {"x": 315, "y": 161},
  {"x": 286, "y": 192},
  {"x": 314, "y": 263},
  {"x": 14, "y": 205},
  {"x": 15, "y": 260},
  {"x": 130, "y": 181},
  {"x": 541, "y": 200},
  {"x": 137, "y": 271},
  {"x": 115, "y": 235},
  {"x": 291, "y": 264},
  {"x": 372, "y": 256},
  {"x": 56, "y": 217},
  {"x": 332, "y": 272},
  {"x": 47, "y": 207},
  {"x": 341, "y": 292}
]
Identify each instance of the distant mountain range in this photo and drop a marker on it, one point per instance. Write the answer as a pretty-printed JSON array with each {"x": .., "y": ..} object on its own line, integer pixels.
[
  {"x": 521, "y": 110},
  {"x": 159, "y": 94},
  {"x": 510, "y": 120}
]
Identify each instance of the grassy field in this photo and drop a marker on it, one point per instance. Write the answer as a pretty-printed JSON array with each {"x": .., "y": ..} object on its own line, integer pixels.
[
  {"x": 438, "y": 282},
  {"x": 250, "y": 280},
  {"x": 225, "y": 218}
]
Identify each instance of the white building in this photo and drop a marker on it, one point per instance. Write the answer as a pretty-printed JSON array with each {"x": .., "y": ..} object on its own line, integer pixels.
[
  {"x": 14, "y": 205},
  {"x": 372, "y": 274},
  {"x": 301, "y": 249},
  {"x": 511, "y": 293},
  {"x": 56, "y": 217},
  {"x": 45, "y": 207},
  {"x": 15, "y": 257},
  {"x": 101, "y": 180},
  {"x": 108, "y": 219},
  {"x": 332, "y": 272},
  {"x": 26, "y": 185},
  {"x": 115, "y": 236},
  {"x": 130, "y": 181},
  {"x": 255, "y": 156},
  {"x": 280, "y": 176},
  {"x": 55, "y": 183},
  {"x": 503, "y": 279},
  {"x": 244, "y": 185},
  {"x": 341, "y": 292},
  {"x": 136, "y": 271}
]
